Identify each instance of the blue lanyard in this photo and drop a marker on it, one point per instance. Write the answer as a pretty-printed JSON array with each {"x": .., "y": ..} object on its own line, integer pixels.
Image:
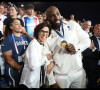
[
  {"x": 16, "y": 45},
  {"x": 62, "y": 36}
]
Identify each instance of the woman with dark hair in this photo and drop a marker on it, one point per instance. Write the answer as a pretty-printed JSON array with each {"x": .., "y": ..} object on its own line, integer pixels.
[
  {"x": 39, "y": 29},
  {"x": 34, "y": 58},
  {"x": 13, "y": 47}
]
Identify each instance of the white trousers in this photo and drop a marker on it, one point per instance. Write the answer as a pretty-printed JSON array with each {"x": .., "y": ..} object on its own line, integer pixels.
[{"x": 75, "y": 79}]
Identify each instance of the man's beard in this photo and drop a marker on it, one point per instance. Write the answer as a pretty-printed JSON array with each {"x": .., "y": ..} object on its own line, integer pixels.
[{"x": 55, "y": 25}]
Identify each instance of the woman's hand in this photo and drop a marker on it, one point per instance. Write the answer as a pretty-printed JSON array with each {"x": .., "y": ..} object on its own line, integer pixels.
[
  {"x": 49, "y": 56},
  {"x": 49, "y": 67}
]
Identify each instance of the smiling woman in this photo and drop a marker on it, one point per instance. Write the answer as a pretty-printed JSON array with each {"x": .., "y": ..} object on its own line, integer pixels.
[
  {"x": 42, "y": 32},
  {"x": 34, "y": 58}
]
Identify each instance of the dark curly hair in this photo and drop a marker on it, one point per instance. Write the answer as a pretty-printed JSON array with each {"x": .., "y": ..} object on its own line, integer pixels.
[
  {"x": 8, "y": 29},
  {"x": 39, "y": 27}
]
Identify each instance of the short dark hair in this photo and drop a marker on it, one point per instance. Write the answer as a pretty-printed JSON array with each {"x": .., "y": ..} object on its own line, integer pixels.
[
  {"x": 29, "y": 6},
  {"x": 39, "y": 27}
]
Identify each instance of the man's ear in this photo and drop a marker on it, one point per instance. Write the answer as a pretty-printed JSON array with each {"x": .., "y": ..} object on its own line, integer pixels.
[{"x": 47, "y": 21}]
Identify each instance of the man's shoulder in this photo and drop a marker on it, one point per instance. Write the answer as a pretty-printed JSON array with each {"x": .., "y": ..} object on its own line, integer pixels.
[
  {"x": 26, "y": 16},
  {"x": 70, "y": 22},
  {"x": 36, "y": 18},
  {"x": 73, "y": 24}
]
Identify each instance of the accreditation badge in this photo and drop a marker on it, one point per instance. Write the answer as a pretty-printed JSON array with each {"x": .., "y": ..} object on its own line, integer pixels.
[
  {"x": 63, "y": 44},
  {"x": 19, "y": 58}
]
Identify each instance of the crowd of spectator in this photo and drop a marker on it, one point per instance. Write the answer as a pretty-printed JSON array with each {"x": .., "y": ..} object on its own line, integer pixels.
[{"x": 23, "y": 32}]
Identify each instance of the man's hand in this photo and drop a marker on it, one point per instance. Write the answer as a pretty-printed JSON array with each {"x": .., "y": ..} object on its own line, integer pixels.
[
  {"x": 92, "y": 45},
  {"x": 55, "y": 85},
  {"x": 70, "y": 48},
  {"x": 24, "y": 30}
]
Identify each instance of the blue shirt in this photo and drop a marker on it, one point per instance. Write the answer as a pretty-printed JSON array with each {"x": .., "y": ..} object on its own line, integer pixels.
[
  {"x": 8, "y": 44},
  {"x": 30, "y": 24}
]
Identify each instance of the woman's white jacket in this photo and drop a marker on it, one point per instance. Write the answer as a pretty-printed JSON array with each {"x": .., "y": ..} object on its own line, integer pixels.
[{"x": 32, "y": 65}]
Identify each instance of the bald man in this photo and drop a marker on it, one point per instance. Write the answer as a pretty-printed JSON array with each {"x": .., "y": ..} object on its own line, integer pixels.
[
  {"x": 66, "y": 42},
  {"x": 91, "y": 59}
]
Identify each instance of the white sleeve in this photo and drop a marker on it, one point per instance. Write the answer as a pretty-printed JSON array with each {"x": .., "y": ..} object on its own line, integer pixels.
[
  {"x": 84, "y": 40},
  {"x": 51, "y": 78},
  {"x": 45, "y": 61},
  {"x": 46, "y": 50},
  {"x": 32, "y": 56}
]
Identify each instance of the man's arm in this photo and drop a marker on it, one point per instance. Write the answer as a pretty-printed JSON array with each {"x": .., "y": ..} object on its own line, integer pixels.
[
  {"x": 47, "y": 50},
  {"x": 84, "y": 40},
  {"x": 95, "y": 51}
]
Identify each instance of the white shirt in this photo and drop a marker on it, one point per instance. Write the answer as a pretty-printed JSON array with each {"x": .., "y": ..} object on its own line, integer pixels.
[
  {"x": 32, "y": 65},
  {"x": 64, "y": 62},
  {"x": 2, "y": 18}
]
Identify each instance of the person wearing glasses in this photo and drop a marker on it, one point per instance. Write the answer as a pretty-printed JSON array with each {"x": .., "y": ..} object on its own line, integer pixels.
[
  {"x": 34, "y": 58},
  {"x": 65, "y": 44},
  {"x": 91, "y": 59}
]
